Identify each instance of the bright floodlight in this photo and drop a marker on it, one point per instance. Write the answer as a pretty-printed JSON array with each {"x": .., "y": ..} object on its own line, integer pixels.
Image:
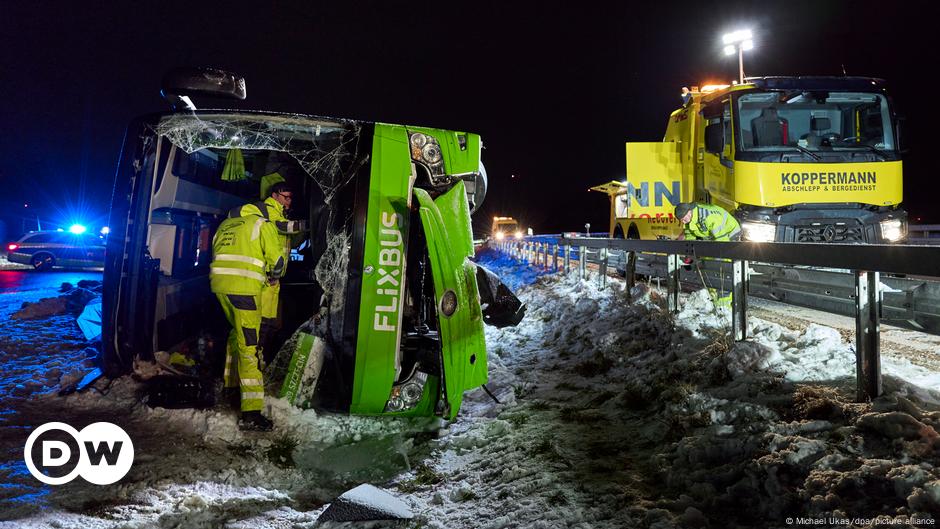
[
  {"x": 737, "y": 42},
  {"x": 106, "y": 230},
  {"x": 77, "y": 229},
  {"x": 737, "y": 36}
]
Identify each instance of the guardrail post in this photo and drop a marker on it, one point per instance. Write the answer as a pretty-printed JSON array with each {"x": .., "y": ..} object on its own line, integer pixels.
[
  {"x": 567, "y": 249},
  {"x": 867, "y": 342},
  {"x": 739, "y": 277},
  {"x": 544, "y": 248},
  {"x": 630, "y": 273},
  {"x": 602, "y": 268},
  {"x": 555, "y": 259},
  {"x": 672, "y": 283},
  {"x": 582, "y": 261}
]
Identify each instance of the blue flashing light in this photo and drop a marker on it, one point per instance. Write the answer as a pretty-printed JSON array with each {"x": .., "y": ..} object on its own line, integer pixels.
[{"x": 77, "y": 229}]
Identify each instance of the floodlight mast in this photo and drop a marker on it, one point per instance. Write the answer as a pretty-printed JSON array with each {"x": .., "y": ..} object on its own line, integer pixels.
[{"x": 738, "y": 41}]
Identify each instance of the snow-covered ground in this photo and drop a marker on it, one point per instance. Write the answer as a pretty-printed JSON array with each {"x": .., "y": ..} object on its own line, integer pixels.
[
  {"x": 613, "y": 413},
  {"x": 5, "y": 264}
]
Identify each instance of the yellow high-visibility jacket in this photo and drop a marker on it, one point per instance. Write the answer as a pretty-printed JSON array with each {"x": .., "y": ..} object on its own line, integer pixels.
[
  {"x": 711, "y": 223},
  {"x": 246, "y": 251},
  {"x": 273, "y": 211}
]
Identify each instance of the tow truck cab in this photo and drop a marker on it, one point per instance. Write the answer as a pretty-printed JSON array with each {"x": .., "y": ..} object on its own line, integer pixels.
[
  {"x": 795, "y": 159},
  {"x": 505, "y": 228},
  {"x": 386, "y": 265}
]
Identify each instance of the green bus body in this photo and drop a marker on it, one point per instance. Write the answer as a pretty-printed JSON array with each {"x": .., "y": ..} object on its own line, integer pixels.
[{"x": 406, "y": 209}]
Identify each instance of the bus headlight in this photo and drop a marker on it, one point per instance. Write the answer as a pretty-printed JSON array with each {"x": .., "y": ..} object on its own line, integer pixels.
[
  {"x": 408, "y": 394},
  {"x": 426, "y": 150},
  {"x": 893, "y": 230},
  {"x": 758, "y": 231}
]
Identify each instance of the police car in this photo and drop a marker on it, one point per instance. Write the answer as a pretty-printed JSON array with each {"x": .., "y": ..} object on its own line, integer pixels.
[{"x": 44, "y": 250}]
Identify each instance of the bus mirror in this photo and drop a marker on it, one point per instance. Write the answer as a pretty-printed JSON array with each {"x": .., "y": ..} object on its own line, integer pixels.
[
  {"x": 476, "y": 189},
  {"x": 181, "y": 83},
  {"x": 714, "y": 141}
]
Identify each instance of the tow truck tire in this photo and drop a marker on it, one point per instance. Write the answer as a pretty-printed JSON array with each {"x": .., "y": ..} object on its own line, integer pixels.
[
  {"x": 42, "y": 262},
  {"x": 618, "y": 234}
]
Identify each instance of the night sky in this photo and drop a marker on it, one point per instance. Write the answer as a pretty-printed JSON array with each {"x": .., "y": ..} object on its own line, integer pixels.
[{"x": 554, "y": 88}]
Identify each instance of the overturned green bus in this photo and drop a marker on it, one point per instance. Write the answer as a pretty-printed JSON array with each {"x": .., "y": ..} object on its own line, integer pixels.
[{"x": 383, "y": 278}]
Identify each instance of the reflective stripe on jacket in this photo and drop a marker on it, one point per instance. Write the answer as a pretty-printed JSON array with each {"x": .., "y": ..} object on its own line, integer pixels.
[
  {"x": 711, "y": 222},
  {"x": 245, "y": 251},
  {"x": 273, "y": 211}
]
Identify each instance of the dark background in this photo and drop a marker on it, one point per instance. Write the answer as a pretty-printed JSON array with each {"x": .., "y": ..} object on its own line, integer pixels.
[{"x": 554, "y": 88}]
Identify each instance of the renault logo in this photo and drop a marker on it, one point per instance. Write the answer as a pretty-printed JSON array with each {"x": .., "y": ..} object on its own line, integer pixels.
[{"x": 829, "y": 233}]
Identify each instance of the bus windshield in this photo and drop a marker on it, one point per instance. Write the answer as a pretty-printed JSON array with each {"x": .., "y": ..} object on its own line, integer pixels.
[{"x": 814, "y": 120}]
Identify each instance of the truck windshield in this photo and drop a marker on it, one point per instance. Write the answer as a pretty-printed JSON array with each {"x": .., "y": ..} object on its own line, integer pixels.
[{"x": 772, "y": 121}]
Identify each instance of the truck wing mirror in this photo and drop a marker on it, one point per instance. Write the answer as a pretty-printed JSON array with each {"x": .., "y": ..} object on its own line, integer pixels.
[{"x": 714, "y": 141}]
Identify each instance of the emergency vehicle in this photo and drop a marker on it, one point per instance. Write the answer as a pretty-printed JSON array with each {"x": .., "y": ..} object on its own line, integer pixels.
[
  {"x": 505, "y": 228},
  {"x": 384, "y": 273},
  {"x": 795, "y": 159}
]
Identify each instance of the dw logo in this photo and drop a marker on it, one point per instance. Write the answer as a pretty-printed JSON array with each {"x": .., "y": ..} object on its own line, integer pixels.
[{"x": 103, "y": 453}]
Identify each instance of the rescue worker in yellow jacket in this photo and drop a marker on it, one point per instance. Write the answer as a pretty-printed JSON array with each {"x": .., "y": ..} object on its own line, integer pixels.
[
  {"x": 247, "y": 256},
  {"x": 711, "y": 223},
  {"x": 707, "y": 222},
  {"x": 274, "y": 208}
]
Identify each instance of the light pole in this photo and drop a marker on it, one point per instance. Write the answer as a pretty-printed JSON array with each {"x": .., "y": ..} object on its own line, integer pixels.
[{"x": 738, "y": 41}]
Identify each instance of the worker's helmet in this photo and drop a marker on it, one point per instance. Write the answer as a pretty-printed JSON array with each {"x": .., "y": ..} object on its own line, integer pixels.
[{"x": 682, "y": 208}]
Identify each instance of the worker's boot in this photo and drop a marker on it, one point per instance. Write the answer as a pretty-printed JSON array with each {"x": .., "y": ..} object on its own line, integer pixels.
[{"x": 255, "y": 422}]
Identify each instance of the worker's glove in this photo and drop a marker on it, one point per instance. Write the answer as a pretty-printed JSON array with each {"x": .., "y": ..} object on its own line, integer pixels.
[
  {"x": 272, "y": 281},
  {"x": 687, "y": 262}
]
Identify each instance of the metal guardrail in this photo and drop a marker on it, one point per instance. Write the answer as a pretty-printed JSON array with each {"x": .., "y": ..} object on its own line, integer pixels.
[
  {"x": 923, "y": 234},
  {"x": 865, "y": 263}
]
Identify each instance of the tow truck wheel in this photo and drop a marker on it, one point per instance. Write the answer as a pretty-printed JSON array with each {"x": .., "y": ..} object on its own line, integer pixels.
[
  {"x": 42, "y": 262},
  {"x": 621, "y": 267},
  {"x": 634, "y": 233}
]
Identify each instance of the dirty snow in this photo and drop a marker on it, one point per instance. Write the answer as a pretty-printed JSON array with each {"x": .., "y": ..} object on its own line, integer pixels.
[{"x": 613, "y": 413}]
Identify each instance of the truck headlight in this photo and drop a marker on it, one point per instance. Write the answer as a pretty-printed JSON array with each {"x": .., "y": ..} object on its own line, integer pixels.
[
  {"x": 406, "y": 395},
  {"x": 893, "y": 230},
  {"x": 758, "y": 231},
  {"x": 518, "y": 234},
  {"x": 500, "y": 236}
]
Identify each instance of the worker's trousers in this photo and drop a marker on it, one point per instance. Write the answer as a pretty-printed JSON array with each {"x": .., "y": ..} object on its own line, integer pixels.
[
  {"x": 270, "y": 322},
  {"x": 241, "y": 352}
]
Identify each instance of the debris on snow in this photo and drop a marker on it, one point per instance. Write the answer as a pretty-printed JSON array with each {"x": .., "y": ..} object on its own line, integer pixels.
[{"x": 366, "y": 502}]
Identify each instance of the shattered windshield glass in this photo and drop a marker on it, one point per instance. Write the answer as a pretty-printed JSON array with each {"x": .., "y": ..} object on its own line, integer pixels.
[{"x": 325, "y": 149}]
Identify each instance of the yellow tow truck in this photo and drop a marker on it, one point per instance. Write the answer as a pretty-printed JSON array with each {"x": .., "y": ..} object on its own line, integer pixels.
[
  {"x": 795, "y": 159},
  {"x": 505, "y": 227}
]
